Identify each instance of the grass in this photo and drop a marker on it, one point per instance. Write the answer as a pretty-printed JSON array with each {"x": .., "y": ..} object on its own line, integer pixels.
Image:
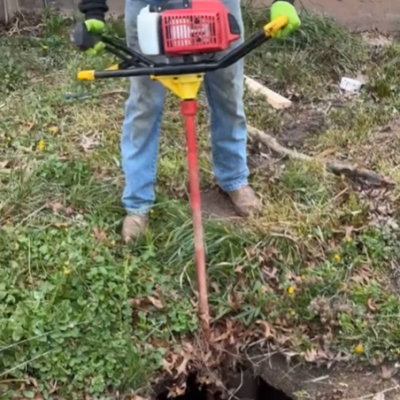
[{"x": 317, "y": 266}]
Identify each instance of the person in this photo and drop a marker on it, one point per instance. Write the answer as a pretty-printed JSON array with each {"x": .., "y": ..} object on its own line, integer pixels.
[{"x": 143, "y": 113}]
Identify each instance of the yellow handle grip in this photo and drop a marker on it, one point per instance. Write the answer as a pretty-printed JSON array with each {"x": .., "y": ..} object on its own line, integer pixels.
[
  {"x": 90, "y": 75},
  {"x": 86, "y": 75},
  {"x": 274, "y": 26},
  {"x": 114, "y": 67}
]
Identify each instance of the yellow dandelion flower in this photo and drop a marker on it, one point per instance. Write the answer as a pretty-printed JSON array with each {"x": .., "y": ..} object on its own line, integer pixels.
[
  {"x": 112, "y": 243},
  {"x": 45, "y": 47},
  {"x": 349, "y": 239},
  {"x": 359, "y": 349},
  {"x": 41, "y": 145},
  {"x": 290, "y": 290},
  {"x": 67, "y": 271},
  {"x": 336, "y": 257},
  {"x": 151, "y": 211}
]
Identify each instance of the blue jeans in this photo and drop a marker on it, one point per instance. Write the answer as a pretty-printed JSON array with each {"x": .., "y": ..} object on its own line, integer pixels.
[{"x": 143, "y": 113}]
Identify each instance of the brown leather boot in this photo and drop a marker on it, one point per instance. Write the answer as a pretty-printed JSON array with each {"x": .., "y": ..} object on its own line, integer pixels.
[
  {"x": 134, "y": 226},
  {"x": 245, "y": 201}
]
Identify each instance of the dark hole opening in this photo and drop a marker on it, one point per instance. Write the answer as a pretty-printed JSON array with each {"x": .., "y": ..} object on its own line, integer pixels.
[{"x": 250, "y": 389}]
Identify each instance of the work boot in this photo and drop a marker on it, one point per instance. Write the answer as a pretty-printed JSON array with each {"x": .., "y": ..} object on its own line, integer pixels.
[
  {"x": 134, "y": 227},
  {"x": 245, "y": 201}
]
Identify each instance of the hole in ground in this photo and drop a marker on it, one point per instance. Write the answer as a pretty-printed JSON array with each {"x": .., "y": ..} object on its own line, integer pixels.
[{"x": 246, "y": 389}]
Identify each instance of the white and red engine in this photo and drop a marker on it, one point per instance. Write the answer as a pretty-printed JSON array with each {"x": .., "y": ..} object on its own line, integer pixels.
[{"x": 186, "y": 27}]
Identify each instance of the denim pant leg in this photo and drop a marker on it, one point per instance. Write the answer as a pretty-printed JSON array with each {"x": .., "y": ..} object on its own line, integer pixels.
[
  {"x": 141, "y": 128},
  {"x": 224, "y": 89}
]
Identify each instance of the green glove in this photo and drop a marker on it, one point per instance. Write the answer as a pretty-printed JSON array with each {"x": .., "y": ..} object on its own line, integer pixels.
[
  {"x": 97, "y": 27},
  {"x": 87, "y": 36},
  {"x": 285, "y": 9}
]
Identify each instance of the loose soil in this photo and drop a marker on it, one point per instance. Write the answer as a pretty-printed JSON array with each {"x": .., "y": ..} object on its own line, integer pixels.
[{"x": 217, "y": 205}]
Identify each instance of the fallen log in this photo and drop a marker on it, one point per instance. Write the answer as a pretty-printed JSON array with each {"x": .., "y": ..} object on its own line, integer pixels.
[
  {"x": 335, "y": 167},
  {"x": 274, "y": 99}
]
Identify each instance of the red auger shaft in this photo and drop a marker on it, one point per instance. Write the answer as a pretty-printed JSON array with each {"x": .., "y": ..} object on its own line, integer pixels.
[{"x": 189, "y": 111}]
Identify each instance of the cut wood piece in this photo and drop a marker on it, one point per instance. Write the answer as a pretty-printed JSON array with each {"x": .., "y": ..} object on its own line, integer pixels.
[{"x": 276, "y": 100}]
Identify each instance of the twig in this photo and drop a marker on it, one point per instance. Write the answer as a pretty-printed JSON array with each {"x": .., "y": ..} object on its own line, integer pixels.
[
  {"x": 113, "y": 92},
  {"x": 32, "y": 214},
  {"x": 233, "y": 395},
  {"x": 335, "y": 167},
  {"x": 319, "y": 379}
]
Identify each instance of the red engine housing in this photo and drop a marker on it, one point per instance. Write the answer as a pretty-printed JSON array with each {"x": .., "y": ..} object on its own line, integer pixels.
[{"x": 203, "y": 28}]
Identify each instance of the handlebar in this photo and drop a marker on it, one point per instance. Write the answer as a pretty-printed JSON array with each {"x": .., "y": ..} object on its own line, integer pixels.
[{"x": 136, "y": 64}]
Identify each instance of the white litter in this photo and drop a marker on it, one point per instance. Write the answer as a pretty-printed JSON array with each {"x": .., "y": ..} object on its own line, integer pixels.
[{"x": 350, "y": 85}]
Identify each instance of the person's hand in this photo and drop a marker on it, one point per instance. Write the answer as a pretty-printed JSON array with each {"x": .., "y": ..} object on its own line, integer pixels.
[
  {"x": 87, "y": 36},
  {"x": 285, "y": 9}
]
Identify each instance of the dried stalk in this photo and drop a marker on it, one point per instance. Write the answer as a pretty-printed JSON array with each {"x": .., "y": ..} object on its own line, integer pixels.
[{"x": 335, "y": 167}]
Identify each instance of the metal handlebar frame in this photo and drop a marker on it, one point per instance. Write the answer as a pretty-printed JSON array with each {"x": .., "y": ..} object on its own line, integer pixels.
[{"x": 136, "y": 64}]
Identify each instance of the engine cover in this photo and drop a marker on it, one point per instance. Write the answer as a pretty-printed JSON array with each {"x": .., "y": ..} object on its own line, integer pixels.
[
  {"x": 199, "y": 27},
  {"x": 205, "y": 27}
]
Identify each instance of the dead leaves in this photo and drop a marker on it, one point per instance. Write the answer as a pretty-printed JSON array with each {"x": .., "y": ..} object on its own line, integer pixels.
[
  {"x": 169, "y": 363},
  {"x": 310, "y": 355},
  {"x": 156, "y": 302},
  {"x": 145, "y": 303},
  {"x": 182, "y": 367},
  {"x": 62, "y": 225},
  {"x": 4, "y": 164},
  {"x": 192, "y": 357},
  {"x": 388, "y": 372},
  {"x": 99, "y": 235},
  {"x": 58, "y": 207},
  {"x": 177, "y": 364},
  {"x": 68, "y": 213},
  {"x": 371, "y": 305},
  {"x": 314, "y": 355},
  {"x": 268, "y": 329},
  {"x": 136, "y": 397},
  {"x": 224, "y": 333},
  {"x": 363, "y": 275}
]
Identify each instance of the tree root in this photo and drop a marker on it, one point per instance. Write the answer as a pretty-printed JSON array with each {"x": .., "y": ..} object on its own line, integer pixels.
[{"x": 337, "y": 168}]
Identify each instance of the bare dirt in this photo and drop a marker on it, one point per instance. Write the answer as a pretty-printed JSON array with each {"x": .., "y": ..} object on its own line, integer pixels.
[
  {"x": 299, "y": 124},
  {"x": 339, "y": 382},
  {"x": 217, "y": 205}
]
